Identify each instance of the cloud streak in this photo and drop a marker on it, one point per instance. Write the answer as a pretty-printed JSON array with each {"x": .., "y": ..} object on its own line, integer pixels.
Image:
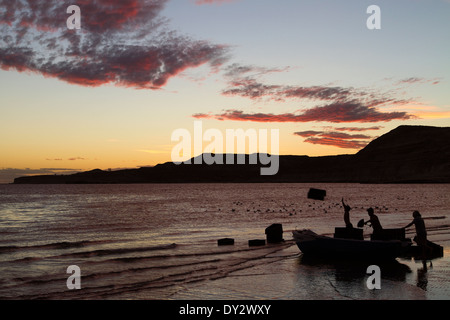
[
  {"x": 416, "y": 80},
  {"x": 355, "y": 129},
  {"x": 244, "y": 81},
  {"x": 249, "y": 87},
  {"x": 336, "y": 113},
  {"x": 335, "y": 104},
  {"x": 125, "y": 43}
]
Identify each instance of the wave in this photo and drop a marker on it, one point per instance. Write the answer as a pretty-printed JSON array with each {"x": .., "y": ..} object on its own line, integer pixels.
[
  {"x": 183, "y": 255},
  {"x": 97, "y": 275},
  {"x": 106, "y": 252},
  {"x": 54, "y": 245},
  {"x": 174, "y": 273},
  {"x": 100, "y": 252},
  {"x": 135, "y": 259}
]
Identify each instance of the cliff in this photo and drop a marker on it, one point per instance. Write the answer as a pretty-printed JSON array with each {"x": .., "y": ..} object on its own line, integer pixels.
[{"x": 407, "y": 154}]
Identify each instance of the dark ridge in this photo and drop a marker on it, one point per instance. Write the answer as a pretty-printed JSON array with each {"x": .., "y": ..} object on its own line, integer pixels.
[{"x": 407, "y": 154}]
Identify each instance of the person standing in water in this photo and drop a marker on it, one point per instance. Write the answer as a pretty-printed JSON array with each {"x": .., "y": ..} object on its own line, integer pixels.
[{"x": 421, "y": 232}]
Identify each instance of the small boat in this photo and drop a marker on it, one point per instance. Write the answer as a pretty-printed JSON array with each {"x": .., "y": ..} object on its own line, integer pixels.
[{"x": 312, "y": 244}]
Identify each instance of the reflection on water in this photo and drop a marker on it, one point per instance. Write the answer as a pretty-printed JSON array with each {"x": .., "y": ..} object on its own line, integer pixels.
[
  {"x": 422, "y": 276},
  {"x": 160, "y": 241},
  {"x": 346, "y": 271},
  {"x": 404, "y": 279}
]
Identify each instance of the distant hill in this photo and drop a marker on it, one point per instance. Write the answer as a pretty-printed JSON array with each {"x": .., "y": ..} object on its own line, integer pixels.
[{"x": 407, "y": 154}]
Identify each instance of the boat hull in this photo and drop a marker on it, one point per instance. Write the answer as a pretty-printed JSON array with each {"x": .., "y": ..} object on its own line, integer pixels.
[{"x": 312, "y": 244}]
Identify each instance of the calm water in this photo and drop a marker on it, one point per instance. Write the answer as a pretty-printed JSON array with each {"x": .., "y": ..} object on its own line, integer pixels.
[{"x": 160, "y": 241}]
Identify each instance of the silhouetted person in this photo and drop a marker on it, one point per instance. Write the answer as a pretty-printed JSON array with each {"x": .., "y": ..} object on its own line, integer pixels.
[
  {"x": 347, "y": 209},
  {"x": 421, "y": 232},
  {"x": 374, "y": 221}
]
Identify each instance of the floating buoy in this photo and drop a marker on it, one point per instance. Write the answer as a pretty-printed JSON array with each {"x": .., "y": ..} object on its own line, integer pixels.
[
  {"x": 316, "y": 194},
  {"x": 225, "y": 242}
]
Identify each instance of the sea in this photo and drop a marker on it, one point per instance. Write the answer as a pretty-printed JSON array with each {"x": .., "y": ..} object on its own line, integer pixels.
[{"x": 160, "y": 242}]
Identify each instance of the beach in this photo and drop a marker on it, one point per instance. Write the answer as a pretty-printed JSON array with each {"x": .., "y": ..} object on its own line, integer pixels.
[{"x": 159, "y": 242}]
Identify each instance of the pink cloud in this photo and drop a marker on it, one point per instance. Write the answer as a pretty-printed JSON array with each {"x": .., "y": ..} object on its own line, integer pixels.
[
  {"x": 345, "y": 144},
  {"x": 358, "y": 129},
  {"x": 335, "y": 113},
  {"x": 125, "y": 43},
  {"x": 417, "y": 80},
  {"x": 335, "y": 139}
]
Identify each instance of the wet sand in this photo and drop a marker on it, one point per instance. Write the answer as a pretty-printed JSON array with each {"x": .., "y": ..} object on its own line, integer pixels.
[{"x": 298, "y": 278}]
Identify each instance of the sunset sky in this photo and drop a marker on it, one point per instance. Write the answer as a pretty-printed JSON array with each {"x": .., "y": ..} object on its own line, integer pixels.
[{"x": 110, "y": 94}]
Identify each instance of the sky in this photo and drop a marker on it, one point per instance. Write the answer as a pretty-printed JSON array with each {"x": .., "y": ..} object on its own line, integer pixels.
[{"x": 110, "y": 94}]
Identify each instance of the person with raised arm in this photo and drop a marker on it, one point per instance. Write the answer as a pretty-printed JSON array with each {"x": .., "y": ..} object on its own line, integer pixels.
[{"x": 347, "y": 209}]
